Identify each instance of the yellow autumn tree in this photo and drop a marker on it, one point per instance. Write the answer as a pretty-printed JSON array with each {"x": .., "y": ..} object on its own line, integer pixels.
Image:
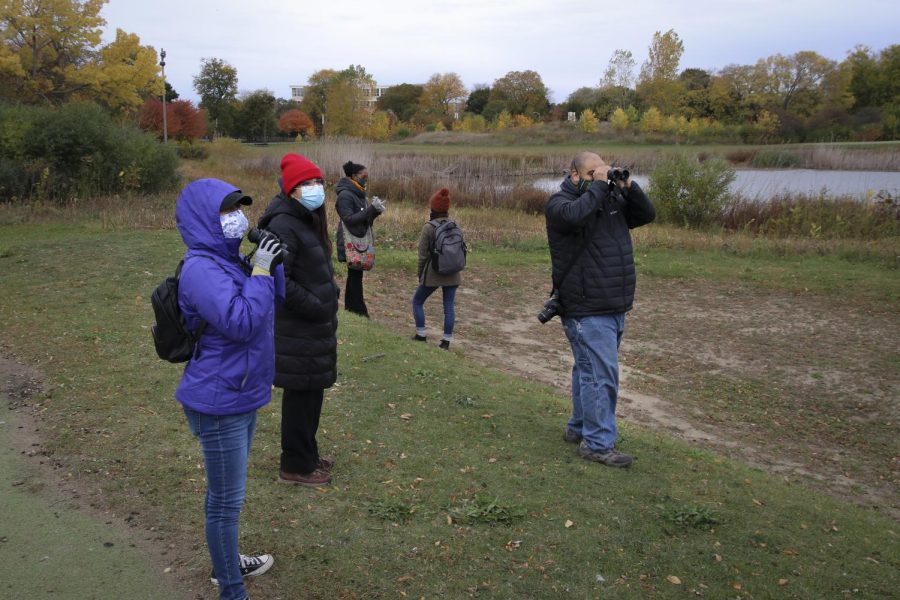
[
  {"x": 523, "y": 121},
  {"x": 589, "y": 123},
  {"x": 380, "y": 126},
  {"x": 50, "y": 52},
  {"x": 126, "y": 72},
  {"x": 651, "y": 121},
  {"x": 619, "y": 119},
  {"x": 503, "y": 121}
]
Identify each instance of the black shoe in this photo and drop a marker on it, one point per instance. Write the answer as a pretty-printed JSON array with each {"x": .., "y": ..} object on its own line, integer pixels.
[
  {"x": 445, "y": 344},
  {"x": 420, "y": 338},
  {"x": 570, "y": 436},
  {"x": 251, "y": 566}
]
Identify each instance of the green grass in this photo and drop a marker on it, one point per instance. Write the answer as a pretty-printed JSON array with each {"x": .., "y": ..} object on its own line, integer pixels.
[{"x": 452, "y": 479}]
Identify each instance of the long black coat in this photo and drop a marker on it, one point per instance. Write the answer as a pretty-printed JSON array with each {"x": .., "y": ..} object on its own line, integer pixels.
[
  {"x": 355, "y": 213},
  {"x": 306, "y": 324},
  {"x": 603, "y": 277}
]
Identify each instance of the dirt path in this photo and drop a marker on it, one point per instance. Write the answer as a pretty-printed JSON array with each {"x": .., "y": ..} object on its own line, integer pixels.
[
  {"x": 796, "y": 384},
  {"x": 51, "y": 544}
]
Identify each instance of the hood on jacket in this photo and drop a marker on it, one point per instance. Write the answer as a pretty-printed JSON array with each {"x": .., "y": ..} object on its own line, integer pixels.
[
  {"x": 197, "y": 216},
  {"x": 347, "y": 184}
]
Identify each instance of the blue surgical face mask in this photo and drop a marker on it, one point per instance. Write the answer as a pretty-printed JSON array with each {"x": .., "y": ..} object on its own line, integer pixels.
[
  {"x": 312, "y": 196},
  {"x": 234, "y": 225}
]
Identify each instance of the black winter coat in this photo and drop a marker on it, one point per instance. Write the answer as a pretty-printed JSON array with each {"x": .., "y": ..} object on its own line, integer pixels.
[
  {"x": 603, "y": 277},
  {"x": 306, "y": 324},
  {"x": 354, "y": 211}
]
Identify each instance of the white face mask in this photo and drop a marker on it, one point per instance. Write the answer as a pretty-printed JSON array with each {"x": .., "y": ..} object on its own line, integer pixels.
[{"x": 234, "y": 225}]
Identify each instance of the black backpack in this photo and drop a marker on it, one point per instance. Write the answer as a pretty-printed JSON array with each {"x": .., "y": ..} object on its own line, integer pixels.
[
  {"x": 448, "y": 253},
  {"x": 173, "y": 339}
]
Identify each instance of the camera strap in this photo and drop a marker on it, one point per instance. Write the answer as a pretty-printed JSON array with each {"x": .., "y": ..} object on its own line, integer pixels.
[{"x": 557, "y": 283}]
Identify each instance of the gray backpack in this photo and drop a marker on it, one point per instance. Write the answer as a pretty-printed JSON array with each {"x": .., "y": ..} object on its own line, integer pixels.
[{"x": 448, "y": 253}]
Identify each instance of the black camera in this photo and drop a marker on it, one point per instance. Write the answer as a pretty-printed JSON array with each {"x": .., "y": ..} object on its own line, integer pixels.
[
  {"x": 255, "y": 236},
  {"x": 551, "y": 308}
]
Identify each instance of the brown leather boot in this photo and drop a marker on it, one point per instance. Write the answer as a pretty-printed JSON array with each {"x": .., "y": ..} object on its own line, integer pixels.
[{"x": 315, "y": 479}]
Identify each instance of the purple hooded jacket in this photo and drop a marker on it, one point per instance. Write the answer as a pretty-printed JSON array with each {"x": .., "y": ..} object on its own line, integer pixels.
[{"x": 236, "y": 364}]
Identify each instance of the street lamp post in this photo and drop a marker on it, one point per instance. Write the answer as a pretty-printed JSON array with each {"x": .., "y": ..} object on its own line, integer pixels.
[{"x": 162, "y": 63}]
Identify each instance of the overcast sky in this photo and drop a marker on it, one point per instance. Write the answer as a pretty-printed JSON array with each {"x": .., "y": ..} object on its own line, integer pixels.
[{"x": 276, "y": 43}]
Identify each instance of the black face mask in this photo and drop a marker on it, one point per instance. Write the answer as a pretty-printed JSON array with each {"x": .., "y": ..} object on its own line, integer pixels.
[{"x": 584, "y": 184}]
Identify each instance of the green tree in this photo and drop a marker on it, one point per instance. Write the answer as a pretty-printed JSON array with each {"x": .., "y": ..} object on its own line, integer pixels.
[
  {"x": 255, "y": 117},
  {"x": 582, "y": 98},
  {"x": 793, "y": 82},
  {"x": 402, "y": 100},
  {"x": 658, "y": 83},
  {"x": 442, "y": 93},
  {"x": 217, "y": 86},
  {"x": 478, "y": 99},
  {"x": 523, "y": 92}
]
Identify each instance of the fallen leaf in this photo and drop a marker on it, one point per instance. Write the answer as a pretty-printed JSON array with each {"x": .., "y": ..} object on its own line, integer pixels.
[
  {"x": 757, "y": 502},
  {"x": 673, "y": 580},
  {"x": 569, "y": 524},
  {"x": 404, "y": 579},
  {"x": 718, "y": 558},
  {"x": 406, "y": 416},
  {"x": 782, "y": 582},
  {"x": 736, "y": 585},
  {"x": 492, "y": 460}
]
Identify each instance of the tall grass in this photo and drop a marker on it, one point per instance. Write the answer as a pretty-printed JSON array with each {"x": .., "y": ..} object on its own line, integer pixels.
[{"x": 815, "y": 217}]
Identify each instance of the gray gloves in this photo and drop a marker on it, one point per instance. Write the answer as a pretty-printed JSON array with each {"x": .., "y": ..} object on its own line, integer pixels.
[
  {"x": 268, "y": 254},
  {"x": 378, "y": 204}
]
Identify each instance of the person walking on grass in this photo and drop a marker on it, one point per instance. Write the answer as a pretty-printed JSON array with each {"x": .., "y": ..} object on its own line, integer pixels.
[
  {"x": 356, "y": 216},
  {"x": 429, "y": 277},
  {"x": 306, "y": 323},
  {"x": 232, "y": 305},
  {"x": 588, "y": 223}
]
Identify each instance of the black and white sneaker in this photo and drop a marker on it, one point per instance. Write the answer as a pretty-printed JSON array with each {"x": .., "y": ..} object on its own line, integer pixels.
[{"x": 251, "y": 566}]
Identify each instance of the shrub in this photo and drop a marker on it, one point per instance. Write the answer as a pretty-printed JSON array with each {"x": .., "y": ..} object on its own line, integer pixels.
[
  {"x": 192, "y": 150},
  {"x": 688, "y": 192},
  {"x": 77, "y": 150}
]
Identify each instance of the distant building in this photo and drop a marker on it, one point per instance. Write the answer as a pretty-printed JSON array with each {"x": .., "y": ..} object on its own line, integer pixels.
[{"x": 372, "y": 94}]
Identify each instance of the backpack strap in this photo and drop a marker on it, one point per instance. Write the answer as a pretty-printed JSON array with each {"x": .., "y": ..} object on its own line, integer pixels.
[{"x": 200, "y": 328}]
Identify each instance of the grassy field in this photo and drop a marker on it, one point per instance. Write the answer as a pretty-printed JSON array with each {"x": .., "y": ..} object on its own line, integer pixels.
[{"x": 452, "y": 479}]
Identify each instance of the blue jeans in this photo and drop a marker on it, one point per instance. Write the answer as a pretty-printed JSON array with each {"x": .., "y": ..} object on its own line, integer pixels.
[
  {"x": 225, "y": 440},
  {"x": 418, "y": 307},
  {"x": 595, "y": 377}
]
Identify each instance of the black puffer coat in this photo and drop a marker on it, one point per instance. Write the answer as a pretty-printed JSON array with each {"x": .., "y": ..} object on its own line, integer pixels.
[
  {"x": 306, "y": 324},
  {"x": 354, "y": 211},
  {"x": 603, "y": 277}
]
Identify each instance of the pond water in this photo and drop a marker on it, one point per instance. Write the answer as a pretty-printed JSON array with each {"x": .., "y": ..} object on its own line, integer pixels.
[{"x": 764, "y": 184}]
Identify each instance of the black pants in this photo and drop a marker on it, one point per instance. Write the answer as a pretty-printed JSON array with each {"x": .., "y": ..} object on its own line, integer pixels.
[
  {"x": 353, "y": 295},
  {"x": 300, "y": 412}
]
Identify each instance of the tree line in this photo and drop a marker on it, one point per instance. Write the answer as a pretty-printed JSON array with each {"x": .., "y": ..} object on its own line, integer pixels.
[{"x": 51, "y": 53}]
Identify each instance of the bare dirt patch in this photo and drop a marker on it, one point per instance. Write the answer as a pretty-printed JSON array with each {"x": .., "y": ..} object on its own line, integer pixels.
[
  {"x": 21, "y": 388},
  {"x": 797, "y": 384}
]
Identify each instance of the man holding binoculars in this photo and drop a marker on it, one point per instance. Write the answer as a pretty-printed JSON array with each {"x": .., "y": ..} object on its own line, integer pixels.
[{"x": 588, "y": 223}]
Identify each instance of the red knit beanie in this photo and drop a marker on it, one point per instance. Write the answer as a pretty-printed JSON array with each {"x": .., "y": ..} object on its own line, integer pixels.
[
  {"x": 440, "y": 201},
  {"x": 295, "y": 169}
]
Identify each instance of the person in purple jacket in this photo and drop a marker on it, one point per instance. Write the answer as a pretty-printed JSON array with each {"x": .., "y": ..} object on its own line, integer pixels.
[{"x": 230, "y": 375}]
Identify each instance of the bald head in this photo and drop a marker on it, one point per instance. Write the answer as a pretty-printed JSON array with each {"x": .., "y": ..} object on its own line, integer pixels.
[{"x": 585, "y": 163}]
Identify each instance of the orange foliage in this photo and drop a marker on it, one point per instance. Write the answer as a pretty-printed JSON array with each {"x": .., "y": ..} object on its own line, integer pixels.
[
  {"x": 183, "y": 120},
  {"x": 295, "y": 121}
]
